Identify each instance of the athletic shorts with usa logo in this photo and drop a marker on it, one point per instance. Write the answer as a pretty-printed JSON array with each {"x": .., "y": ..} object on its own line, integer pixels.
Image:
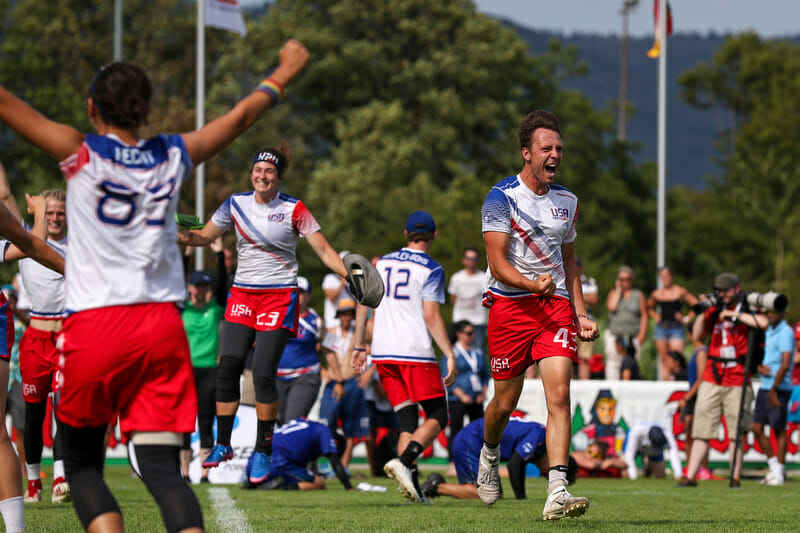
[
  {"x": 529, "y": 328},
  {"x": 127, "y": 360},
  {"x": 38, "y": 364},
  {"x": 264, "y": 309}
]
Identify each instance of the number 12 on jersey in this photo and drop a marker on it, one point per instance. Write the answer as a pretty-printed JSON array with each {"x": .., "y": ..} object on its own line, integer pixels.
[{"x": 401, "y": 277}]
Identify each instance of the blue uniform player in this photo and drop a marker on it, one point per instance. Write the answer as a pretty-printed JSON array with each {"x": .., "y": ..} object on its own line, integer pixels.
[
  {"x": 523, "y": 442},
  {"x": 295, "y": 445}
]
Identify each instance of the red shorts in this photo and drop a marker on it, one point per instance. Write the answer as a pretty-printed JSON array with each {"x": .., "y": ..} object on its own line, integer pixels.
[
  {"x": 263, "y": 309},
  {"x": 127, "y": 360},
  {"x": 38, "y": 364},
  {"x": 413, "y": 383},
  {"x": 6, "y": 329},
  {"x": 526, "y": 329}
]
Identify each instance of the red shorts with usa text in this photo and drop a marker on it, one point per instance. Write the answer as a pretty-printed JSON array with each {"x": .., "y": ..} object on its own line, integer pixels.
[
  {"x": 38, "y": 364},
  {"x": 526, "y": 329},
  {"x": 263, "y": 309},
  {"x": 127, "y": 360},
  {"x": 415, "y": 383}
]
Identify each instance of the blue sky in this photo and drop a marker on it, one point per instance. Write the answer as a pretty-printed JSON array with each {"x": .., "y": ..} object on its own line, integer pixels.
[{"x": 769, "y": 18}]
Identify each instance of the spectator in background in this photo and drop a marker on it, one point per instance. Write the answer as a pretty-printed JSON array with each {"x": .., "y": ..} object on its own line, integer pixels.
[
  {"x": 343, "y": 400},
  {"x": 201, "y": 318},
  {"x": 664, "y": 306},
  {"x": 630, "y": 367},
  {"x": 649, "y": 440},
  {"x": 773, "y": 396},
  {"x": 590, "y": 298},
  {"x": 334, "y": 287},
  {"x": 676, "y": 365},
  {"x": 467, "y": 394},
  {"x": 15, "y": 403},
  {"x": 298, "y": 375},
  {"x": 627, "y": 322},
  {"x": 466, "y": 290}
]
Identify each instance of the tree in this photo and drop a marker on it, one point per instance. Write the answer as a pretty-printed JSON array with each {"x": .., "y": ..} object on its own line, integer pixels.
[{"x": 754, "y": 201}]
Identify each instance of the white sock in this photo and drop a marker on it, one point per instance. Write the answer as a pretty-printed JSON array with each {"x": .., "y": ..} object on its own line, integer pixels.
[
  {"x": 13, "y": 511},
  {"x": 493, "y": 451},
  {"x": 772, "y": 462},
  {"x": 58, "y": 469},
  {"x": 34, "y": 471},
  {"x": 556, "y": 479}
]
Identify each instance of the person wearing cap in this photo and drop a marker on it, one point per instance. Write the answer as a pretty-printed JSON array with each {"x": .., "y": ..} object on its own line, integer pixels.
[
  {"x": 334, "y": 288},
  {"x": 201, "y": 317},
  {"x": 298, "y": 375},
  {"x": 263, "y": 302},
  {"x": 649, "y": 440},
  {"x": 720, "y": 393},
  {"x": 406, "y": 321},
  {"x": 536, "y": 306},
  {"x": 773, "y": 395},
  {"x": 343, "y": 401}
]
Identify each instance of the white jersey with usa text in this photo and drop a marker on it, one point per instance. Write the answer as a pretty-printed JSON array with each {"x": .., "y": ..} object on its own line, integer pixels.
[
  {"x": 45, "y": 286},
  {"x": 266, "y": 238},
  {"x": 400, "y": 334},
  {"x": 537, "y": 227},
  {"x": 121, "y": 203}
]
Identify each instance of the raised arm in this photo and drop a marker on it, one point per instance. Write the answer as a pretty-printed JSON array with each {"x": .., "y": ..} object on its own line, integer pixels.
[
  {"x": 37, "y": 206},
  {"x": 29, "y": 244},
  {"x": 58, "y": 140},
  {"x": 6, "y": 196},
  {"x": 217, "y": 134}
]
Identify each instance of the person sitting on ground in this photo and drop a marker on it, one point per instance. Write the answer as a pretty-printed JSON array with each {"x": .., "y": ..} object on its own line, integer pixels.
[
  {"x": 523, "y": 442},
  {"x": 595, "y": 461},
  {"x": 294, "y": 446}
]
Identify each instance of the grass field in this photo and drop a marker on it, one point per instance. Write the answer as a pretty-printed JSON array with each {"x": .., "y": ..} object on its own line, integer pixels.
[{"x": 616, "y": 505}]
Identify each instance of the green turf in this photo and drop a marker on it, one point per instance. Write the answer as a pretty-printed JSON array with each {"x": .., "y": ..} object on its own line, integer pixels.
[{"x": 616, "y": 505}]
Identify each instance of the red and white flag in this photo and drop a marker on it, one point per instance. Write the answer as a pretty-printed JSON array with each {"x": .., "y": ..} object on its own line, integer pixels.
[
  {"x": 656, "y": 49},
  {"x": 226, "y": 15}
]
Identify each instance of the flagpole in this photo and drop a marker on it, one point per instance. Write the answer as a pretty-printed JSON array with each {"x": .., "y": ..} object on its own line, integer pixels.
[
  {"x": 200, "y": 173},
  {"x": 117, "y": 30},
  {"x": 662, "y": 131}
]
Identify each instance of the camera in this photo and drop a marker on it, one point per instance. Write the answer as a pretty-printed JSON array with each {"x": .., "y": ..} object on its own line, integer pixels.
[
  {"x": 768, "y": 301},
  {"x": 703, "y": 305}
]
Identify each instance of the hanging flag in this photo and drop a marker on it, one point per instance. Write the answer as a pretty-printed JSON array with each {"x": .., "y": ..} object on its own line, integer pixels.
[
  {"x": 226, "y": 15},
  {"x": 656, "y": 49}
]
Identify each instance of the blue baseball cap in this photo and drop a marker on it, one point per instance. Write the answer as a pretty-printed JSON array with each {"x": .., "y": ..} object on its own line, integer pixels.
[
  {"x": 199, "y": 277},
  {"x": 420, "y": 222}
]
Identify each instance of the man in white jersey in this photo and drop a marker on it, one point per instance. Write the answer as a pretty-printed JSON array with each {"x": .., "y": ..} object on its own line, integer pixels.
[
  {"x": 536, "y": 304},
  {"x": 38, "y": 354},
  {"x": 406, "y": 319}
]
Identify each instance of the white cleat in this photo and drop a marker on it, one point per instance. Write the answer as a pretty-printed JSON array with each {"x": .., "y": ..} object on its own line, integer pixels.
[
  {"x": 561, "y": 503},
  {"x": 402, "y": 474},
  {"x": 488, "y": 481}
]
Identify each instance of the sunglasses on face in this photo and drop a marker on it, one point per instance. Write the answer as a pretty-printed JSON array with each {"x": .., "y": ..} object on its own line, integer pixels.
[
  {"x": 469, "y": 333},
  {"x": 470, "y": 258}
]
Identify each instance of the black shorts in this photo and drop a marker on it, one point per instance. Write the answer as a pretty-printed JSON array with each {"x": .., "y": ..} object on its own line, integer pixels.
[{"x": 770, "y": 416}]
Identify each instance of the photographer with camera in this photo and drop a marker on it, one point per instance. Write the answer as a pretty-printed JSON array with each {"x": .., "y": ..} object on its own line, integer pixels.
[{"x": 728, "y": 317}]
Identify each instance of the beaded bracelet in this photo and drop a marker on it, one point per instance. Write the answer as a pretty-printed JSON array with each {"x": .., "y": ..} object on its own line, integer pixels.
[{"x": 271, "y": 88}]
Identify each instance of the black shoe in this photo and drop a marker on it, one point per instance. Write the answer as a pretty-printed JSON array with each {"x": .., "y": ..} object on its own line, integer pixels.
[
  {"x": 687, "y": 483},
  {"x": 736, "y": 484},
  {"x": 431, "y": 486},
  {"x": 204, "y": 480}
]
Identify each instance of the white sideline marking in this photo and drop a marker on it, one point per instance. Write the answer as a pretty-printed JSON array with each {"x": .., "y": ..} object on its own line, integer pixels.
[{"x": 228, "y": 516}]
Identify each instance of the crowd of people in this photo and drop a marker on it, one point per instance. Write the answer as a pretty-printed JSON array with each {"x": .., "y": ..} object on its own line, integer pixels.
[{"x": 110, "y": 341}]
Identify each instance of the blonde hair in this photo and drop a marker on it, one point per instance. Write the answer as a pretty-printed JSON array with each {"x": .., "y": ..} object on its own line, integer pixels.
[{"x": 55, "y": 194}]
